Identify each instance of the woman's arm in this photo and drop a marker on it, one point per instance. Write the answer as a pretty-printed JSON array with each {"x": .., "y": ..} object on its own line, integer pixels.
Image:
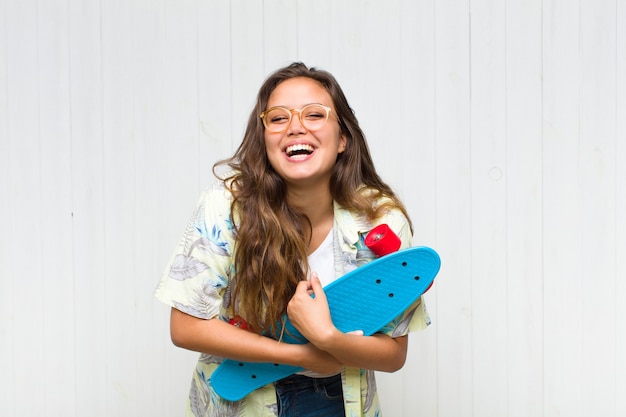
[
  {"x": 311, "y": 317},
  {"x": 219, "y": 338}
]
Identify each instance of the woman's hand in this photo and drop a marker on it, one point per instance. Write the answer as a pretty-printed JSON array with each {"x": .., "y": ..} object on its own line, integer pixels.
[{"x": 311, "y": 315}]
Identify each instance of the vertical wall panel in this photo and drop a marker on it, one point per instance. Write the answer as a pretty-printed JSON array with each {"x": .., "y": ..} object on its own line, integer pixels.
[
  {"x": 26, "y": 268},
  {"x": 181, "y": 105},
  {"x": 597, "y": 173},
  {"x": 315, "y": 41},
  {"x": 214, "y": 87},
  {"x": 119, "y": 214},
  {"x": 620, "y": 207},
  {"x": 454, "y": 287},
  {"x": 281, "y": 34},
  {"x": 7, "y": 366},
  {"x": 415, "y": 141},
  {"x": 524, "y": 217},
  {"x": 88, "y": 216},
  {"x": 247, "y": 67},
  {"x": 56, "y": 195},
  {"x": 488, "y": 208},
  {"x": 377, "y": 89},
  {"x": 346, "y": 52},
  {"x": 562, "y": 243}
]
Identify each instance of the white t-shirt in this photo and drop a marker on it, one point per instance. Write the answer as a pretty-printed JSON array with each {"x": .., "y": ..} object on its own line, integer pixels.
[{"x": 322, "y": 260}]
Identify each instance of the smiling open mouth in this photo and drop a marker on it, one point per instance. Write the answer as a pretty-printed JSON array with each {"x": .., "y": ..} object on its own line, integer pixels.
[{"x": 299, "y": 149}]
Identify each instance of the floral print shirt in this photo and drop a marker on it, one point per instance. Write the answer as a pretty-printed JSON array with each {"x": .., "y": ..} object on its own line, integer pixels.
[{"x": 196, "y": 282}]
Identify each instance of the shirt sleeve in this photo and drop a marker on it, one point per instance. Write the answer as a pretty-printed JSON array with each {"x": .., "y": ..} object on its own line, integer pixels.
[{"x": 196, "y": 278}]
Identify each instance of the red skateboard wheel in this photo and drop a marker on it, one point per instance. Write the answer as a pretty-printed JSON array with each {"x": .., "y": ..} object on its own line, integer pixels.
[{"x": 382, "y": 240}]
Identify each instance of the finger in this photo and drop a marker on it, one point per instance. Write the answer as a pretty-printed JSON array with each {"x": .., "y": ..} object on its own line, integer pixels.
[
  {"x": 311, "y": 276},
  {"x": 315, "y": 279},
  {"x": 316, "y": 286},
  {"x": 303, "y": 286}
]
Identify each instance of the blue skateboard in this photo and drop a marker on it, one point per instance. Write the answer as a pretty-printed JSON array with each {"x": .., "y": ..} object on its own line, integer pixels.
[{"x": 366, "y": 299}]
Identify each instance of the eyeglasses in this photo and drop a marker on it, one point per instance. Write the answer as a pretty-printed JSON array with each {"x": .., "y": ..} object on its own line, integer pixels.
[{"x": 312, "y": 117}]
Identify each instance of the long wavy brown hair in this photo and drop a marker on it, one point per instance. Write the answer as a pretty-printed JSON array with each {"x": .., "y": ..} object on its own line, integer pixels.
[{"x": 272, "y": 237}]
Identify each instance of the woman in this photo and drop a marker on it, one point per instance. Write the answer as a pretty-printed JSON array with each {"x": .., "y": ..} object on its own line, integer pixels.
[{"x": 290, "y": 216}]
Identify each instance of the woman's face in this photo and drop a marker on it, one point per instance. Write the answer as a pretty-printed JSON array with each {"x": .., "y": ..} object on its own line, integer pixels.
[{"x": 303, "y": 157}]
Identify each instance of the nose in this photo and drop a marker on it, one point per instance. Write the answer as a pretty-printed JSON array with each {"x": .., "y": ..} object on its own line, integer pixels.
[{"x": 295, "y": 125}]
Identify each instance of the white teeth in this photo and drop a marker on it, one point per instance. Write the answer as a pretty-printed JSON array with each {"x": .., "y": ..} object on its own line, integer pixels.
[{"x": 299, "y": 147}]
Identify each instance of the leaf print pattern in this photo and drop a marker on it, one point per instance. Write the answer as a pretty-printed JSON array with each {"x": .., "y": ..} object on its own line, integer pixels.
[
  {"x": 225, "y": 408},
  {"x": 186, "y": 267},
  {"x": 211, "y": 242},
  {"x": 204, "y": 402},
  {"x": 228, "y": 294},
  {"x": 199, "y": 397},
  {"x": 371, "y": 390},
  {"x": 204, "y": 304},
  {"x": 190, "y": 309},
  {"x": 403, "y": 327},
  {"x": 189, "y": 236}
]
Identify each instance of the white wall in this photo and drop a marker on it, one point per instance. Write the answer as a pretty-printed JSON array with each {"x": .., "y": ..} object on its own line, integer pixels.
[{"x": 502, "y": 124}]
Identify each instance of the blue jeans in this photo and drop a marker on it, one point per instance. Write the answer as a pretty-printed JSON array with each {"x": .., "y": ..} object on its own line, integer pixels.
[{"x": 302, "y": 396}]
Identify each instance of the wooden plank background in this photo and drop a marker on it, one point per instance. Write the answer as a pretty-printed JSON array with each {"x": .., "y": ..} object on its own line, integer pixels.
[{"x": 502, "y": 124}]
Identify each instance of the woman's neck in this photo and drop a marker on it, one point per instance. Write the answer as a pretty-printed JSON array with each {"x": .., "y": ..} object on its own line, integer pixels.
[{"x": 317, "y": 204}]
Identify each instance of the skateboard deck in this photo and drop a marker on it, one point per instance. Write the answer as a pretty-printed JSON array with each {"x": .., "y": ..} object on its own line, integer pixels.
[{"x": 366, "y": 299}]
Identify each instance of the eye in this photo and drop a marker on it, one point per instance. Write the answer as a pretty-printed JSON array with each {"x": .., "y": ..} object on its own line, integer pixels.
[
  {"x": 314, "y": 112},
  {"x": 279, "y": 119},
  {"x": 314, "y": 116},
  {"x": 278, "y": 116}
]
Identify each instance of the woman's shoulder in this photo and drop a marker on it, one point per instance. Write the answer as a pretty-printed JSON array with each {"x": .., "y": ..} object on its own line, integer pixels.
[
  {"x": 214, "y": 196},
  {"x": 214, "y": 203}
]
